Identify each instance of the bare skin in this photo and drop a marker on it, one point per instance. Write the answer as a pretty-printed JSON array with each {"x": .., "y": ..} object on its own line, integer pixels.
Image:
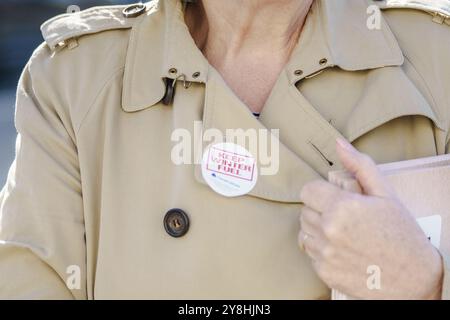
[
  {"x": 248, "y": 41},
  {"x": 345, "y": 232}
]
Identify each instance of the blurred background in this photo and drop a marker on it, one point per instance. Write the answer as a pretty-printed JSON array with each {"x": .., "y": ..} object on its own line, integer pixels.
[{"x": 19, "y": 36}]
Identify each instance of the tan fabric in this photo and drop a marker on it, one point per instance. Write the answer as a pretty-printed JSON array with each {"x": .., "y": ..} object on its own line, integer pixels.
[{"x": 93, "y": 179}]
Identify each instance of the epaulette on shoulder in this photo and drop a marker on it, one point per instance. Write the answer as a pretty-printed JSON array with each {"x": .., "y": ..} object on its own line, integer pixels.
[
  {"x": 58, "y": 31},
  {"x": 439, "y": 9}
]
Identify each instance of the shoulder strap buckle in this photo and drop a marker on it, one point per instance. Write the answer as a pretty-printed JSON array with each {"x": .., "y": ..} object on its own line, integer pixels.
[{"x": 440, "y": 17}]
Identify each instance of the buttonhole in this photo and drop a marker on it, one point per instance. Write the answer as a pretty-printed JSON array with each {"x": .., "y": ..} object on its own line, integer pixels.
[{"x": 329, "y": 162}]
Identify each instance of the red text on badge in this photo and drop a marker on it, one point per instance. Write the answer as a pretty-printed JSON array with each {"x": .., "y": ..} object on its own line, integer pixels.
[{"x": 231, "y": 164}]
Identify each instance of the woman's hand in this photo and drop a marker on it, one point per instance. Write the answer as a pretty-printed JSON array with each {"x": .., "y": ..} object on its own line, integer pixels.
[{"x": 349, "y": 235}]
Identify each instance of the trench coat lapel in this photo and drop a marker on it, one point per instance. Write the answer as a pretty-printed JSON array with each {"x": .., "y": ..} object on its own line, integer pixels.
[
  {"x": 224, "y": 111},
  {"x": 302, "y": 129}
]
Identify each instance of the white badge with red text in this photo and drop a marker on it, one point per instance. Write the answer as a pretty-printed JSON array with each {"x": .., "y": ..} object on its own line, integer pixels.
[{"x": 229, "y": 169}]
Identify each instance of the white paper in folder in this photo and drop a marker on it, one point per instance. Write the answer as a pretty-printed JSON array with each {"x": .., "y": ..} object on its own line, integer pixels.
[{"x": 423, "y": 186}]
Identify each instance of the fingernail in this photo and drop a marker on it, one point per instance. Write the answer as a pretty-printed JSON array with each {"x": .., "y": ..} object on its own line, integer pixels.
[{"x": 344, "y": 144}]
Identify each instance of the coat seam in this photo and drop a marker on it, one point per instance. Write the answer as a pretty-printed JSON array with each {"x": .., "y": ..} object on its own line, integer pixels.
[
  {"x": 435, "y": 104},
  {"x": 425, "y": 83},
  {"x": 103, "y": 87}
]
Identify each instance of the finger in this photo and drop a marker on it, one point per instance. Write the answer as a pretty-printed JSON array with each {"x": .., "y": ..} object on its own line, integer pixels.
[
  {"x": 310, "y": 220},
  {"x": 305, "y": 239},
  {"x": 301, "y": 237},
  {"x": 364, "y": 169},
  {"x": 320, "y": 195},
  {"x": 311, "y": 245}
]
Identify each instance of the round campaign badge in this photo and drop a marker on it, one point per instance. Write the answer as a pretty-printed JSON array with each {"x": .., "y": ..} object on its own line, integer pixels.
[{"x": 229, "y": 169}]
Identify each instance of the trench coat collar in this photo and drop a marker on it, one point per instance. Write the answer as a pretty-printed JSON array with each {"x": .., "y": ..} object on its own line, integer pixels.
[
  {"x": 160, "y": 47},
  {"x": 334, "y": 30},
  {"x": 338, "y": 32}
]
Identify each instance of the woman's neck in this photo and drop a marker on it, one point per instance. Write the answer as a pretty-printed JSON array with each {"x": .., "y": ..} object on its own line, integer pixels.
[{"x": 246, "y": 36}]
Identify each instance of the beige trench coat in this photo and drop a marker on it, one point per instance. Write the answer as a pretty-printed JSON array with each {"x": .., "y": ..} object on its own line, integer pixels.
[{"x": 93, "y": 176}]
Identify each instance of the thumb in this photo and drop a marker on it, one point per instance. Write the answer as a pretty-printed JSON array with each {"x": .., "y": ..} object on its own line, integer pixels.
[{"x": 363, "y": 169}]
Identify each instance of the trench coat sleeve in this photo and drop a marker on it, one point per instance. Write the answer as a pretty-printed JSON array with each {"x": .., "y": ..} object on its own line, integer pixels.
[{"x": 42, "y": 244}]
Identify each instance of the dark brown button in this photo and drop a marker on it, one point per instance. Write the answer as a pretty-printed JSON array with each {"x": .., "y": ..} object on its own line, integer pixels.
[
  {"x": 176, "y": 223},
  {"x": 133, "y": 11}
]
